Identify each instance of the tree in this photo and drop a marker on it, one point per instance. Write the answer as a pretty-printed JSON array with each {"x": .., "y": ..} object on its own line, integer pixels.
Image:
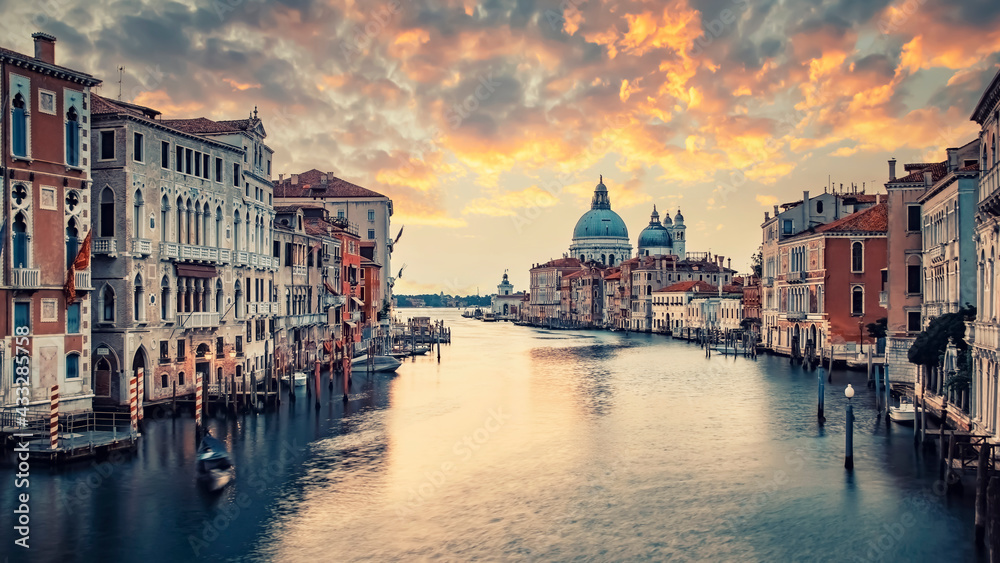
[
  {"x": 879, "y": 328},
  {"x": 929, "y": 346},
  {"x": 757, "y": 263}
]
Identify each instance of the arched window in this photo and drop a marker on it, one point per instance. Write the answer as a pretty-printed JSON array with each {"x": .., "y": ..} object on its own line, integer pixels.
[
  {"x": 246, "y": 241},
  {"x": 218, "y": 226},
  {"x": 180, "y": 379},
  {"x": 206, "y": 220},
  {"x": 180, "y": 220},
  {"x": 189, "y": 234},
  {"x": 107, "y": 212},
  {"x": 857, "y": 300},
  {"x": 137, "y": 213},
  {"x": 238, "y": 295},
  {"x": 819, "y": 206},
  {"x": 19, "y": 126},
  {"x": 20, "y": 241},
  {"x": 164, "y": 209},
  {"x": 857, "y": 257},
  {"x": 138, "y": 300},
  {"x": 165, "y": 310},
  {"x": 219, "y": 297},
  {"x": 236, "y": 231},
  {"x": 72, "y": 138},
  {"x": 107, "y": 304},
  {"x": 72, "y": 241},
  {"x": 72, "y": 366},
  {"x": 583, "y": 258}
]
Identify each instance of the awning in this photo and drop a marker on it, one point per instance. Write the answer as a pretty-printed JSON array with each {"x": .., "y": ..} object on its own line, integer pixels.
[
  {"x": 330, "y": 288},
  {"x": 350, "y": 324},
  {"x": 196, "y": 271},
  {"x": 358, "y": 301}
]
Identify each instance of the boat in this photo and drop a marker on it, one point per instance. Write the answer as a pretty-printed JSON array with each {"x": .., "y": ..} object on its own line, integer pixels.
[
  {"x": 382, "y": 363},
  {"x": 905, "y": 413},
  {"x": 214, "y": 468},
  {"x": 299, "y": 377},
  {"x": 489, "y": 317}
]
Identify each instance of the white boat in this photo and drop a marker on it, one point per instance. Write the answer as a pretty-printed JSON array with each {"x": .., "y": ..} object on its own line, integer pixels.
[
  {"x": 489, "y": 317},
  {"x": 299, "y": 377},
  {"x": 382, "y": 363},
  {"x": 905, "y": 413}
]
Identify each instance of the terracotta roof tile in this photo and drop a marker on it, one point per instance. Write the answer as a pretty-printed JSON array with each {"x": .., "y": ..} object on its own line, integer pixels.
[
  {"x": 561, "y": 263},
  {"x": 202, "y": 125},
  {"x": 690, "y": 285},
  {"x": 938, "y": 170},
  {"x": 873, "y": 219},
  {"x": 334, "y": 187}
]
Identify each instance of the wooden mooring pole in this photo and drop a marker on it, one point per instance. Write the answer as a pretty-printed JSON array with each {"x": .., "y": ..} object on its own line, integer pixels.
[{"x": 982, "y": 480}]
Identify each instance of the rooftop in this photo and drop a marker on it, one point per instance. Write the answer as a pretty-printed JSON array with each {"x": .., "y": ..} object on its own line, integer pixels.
[{"x": 312, "y": 184}]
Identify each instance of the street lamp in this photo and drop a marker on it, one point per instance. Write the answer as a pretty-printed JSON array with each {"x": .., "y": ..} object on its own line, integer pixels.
[{"x": 849, "y": 454}]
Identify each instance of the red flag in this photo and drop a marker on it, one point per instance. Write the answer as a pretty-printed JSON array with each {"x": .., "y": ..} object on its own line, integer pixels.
[{"x": 82, "y": 262}]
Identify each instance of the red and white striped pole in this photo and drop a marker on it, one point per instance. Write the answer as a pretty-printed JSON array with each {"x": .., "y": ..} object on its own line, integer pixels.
[
  {"x": 197, "y": 400},
  {"x": 54, "y": 418},
  {"x": 132, "y": 404},
  {"x": 142, "y": 391}
]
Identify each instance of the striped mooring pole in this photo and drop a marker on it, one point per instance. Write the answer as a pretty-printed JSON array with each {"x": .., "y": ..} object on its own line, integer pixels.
[
  {"x": 197, "y": 400},
  {"x": 132, "y": 404},
  {"x": 142, "y": 391},
  {"x": 54, "y": 418}
]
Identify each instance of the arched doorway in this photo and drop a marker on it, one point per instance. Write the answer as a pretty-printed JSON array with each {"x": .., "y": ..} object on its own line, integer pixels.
[
  {"x": 796, "y": 351},
  {"x": 203, "y": 362},
  {"x": 106, "y": 385},
  {"x": 139, "y": 367}
]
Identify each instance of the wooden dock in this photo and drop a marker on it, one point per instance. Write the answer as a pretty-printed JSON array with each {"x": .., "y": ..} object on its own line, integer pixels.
[{"x": 80, "y": 435}]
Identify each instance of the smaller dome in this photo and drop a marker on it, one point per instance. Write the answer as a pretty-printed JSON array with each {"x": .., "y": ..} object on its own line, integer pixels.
[
  {"x": 666, "y": 219},
  {"x": 678, "y": 218},
  {"x": 655, "y": 235}
]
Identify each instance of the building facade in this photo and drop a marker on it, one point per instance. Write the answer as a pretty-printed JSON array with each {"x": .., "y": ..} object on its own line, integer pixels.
[
  {"x": 600, "y": 234},
  {"x": 45, "y": 132}
]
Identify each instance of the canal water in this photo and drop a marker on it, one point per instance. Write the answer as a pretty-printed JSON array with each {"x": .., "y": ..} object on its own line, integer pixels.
[{"x": 521, "y": 444}]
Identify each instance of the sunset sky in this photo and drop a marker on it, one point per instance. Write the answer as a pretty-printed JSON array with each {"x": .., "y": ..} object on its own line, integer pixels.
[{"x": 489, "y": 123}]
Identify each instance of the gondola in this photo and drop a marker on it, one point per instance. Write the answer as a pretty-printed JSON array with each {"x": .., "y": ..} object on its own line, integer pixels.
[{"x": 214, "y": 468}]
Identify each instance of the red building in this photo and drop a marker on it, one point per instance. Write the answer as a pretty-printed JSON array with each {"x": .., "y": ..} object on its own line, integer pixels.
[
  {"x": 350, "y": 282},
  {"x": 46, "y": 173},
  {"x": 829, "y": 281}
]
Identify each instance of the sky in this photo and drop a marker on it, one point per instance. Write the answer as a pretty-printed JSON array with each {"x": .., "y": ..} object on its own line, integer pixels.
[{"x": 488, "y": 124}]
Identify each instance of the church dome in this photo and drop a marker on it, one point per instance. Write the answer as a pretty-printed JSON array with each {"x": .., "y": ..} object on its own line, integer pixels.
[
  {"x": 600, "y": 221},
  {"x": 679, "y": 219},
  {"x": 655, "y": 235}
]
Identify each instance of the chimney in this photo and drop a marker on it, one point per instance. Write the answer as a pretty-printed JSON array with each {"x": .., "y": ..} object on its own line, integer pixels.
[
  {"x": 767, "y": 216},
  {"x": 323, "y": 179},
  {"x": 952, "y": 160},
  {"x": 928, "y": 178},
  {"x": 878, "y": 199},
  {"x": 45, "y": 47},
  {"x": 892, "y": 169},
  {"x": 281, "y": 177},
  {"x": 775, "y": 210},
  {"x": 729, "y": 263},
  {"x": 295, "y": 179}
]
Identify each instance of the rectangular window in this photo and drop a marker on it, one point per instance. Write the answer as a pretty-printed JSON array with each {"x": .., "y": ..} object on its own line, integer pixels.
[
  {"x": 239, "y": 345},
  {"x": 72, "y": 142},
  {"x": 204, "y": 167},
  {"x": 137, "y": 147},
  {"x": 220, "y": 344},
  {"x": 165, "y": 154},
  {"x": 218, "y": 169},
  {"x": 276, "y": 249},
  {"x": 786, "y": 226},
  {"x": 179, "y": 165},
  {"x": 913, "y": 278},
  {"x": 913, "y": 321},
  {"x": 188, "y": 153},
  {"x": 197, "y": 163},
  {"x": 107, "y": 145},
  {"x": 912, "y": 218},
  {"x": 22, "y": 314},
  {"x": 164, "y": 350},
  {"x": 72, "y": 366},
  {"x": 19, "y": 133},
  {"x": 269, "y": 168},
  {"x": 371, "y": 215},
  {"x": 236, "y": 174},
  {"x": 73, "y": 319},
  {"x": 371, "y": 234},
  {"x": 181, "y": 351},
  {"x": 340, "y": 214}
]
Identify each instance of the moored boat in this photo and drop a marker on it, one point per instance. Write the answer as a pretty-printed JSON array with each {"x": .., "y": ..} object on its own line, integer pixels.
[
  {"x": 298, "y": 377},
  {"x": 214, "y": 468},
  {"x": 381, "y": 363},
  {"x": 905, "y": 413}
]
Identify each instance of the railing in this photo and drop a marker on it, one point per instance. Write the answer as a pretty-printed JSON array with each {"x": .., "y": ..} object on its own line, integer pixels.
[
  {"x": 82, "y": 280},
  {"x": 199, "y": 253},
  {"x": 242, "y": 258},
  {"x": 795, "y": 315},
  {"x": 169, "y": 250},
  {"x": 936, "y": 253},
  {"x": 105, "y": 246},
  {"x": 883, "y": 299},
  {"x": 294, "y": 321},
  {"x": 197, "y": 320},
  {"x": 986, "y": 335},
  {"x": 298, "y": 270},
  {"x": 795, "y": 277},
  {"x": 225, "y": 255},
  {"x": 142, "y": 246},
  {"x": 24, "y": 278}
]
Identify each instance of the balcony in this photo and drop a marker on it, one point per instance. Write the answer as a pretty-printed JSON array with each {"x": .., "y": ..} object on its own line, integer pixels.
[
  {"x": 242, "y": 258},
  {"x": 795, "y": 277},
  {"x": 936, "y": 253},
  {"x": 82, "y": 281},
  {"x": 795, "y": 316},
  {"x": 986, "y": 335},
  {"x": 25, "y": 278},
  {"x": 225, "y": 255},
  {"x": 298, "y": 270},
  {"x": 199, "y": 253},
  {"x": 142, "y": 247},
  {"x": 883, "y": 299},
  {"x": 295, "y": 321},
  {"x": 767, "y": 281},
  {"x": 105, "y": 246},
  {"x": 169, "y": 250},
  {"x": 197, "y": 320}
]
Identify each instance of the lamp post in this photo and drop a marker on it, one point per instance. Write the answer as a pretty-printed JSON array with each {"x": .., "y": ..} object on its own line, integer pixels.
[{"x": 849, "y": 454}]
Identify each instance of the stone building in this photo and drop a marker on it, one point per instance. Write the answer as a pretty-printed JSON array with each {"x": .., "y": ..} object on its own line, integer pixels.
[
  {"x": 505, "y": 304},
  {"x": 600, "y": 234},
  {"x": 184, "y": 280},
  {"x": 666, "y": 238},
  {"x": 47, "y": 175},
  {"x": 367, "y": 210},
  {"x": 545, "y": 303}
]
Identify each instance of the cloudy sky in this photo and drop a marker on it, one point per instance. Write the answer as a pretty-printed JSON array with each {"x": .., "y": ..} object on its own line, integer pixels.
[{"x": 489, "y": 123}]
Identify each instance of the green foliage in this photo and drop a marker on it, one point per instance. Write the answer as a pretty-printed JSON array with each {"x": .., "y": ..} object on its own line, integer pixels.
[
  {"x": 757, "y": 263},
  {"x": 929, "y": 347},
  {"x": 879, "y": 328}
]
